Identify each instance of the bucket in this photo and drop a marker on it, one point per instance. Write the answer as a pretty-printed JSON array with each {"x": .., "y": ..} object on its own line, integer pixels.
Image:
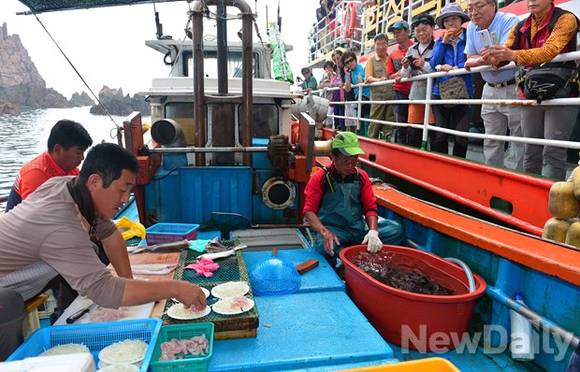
[{"x": 415, "y": 321}]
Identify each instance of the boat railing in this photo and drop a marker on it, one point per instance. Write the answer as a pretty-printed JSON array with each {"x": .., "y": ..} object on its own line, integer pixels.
[
  {"x": 378, "y": 18},
  {"x": 429, "y": 101},
  {"x": 331, "y": 33}
]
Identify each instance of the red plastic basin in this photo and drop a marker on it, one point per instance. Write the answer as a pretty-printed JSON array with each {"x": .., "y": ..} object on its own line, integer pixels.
[{"x": 433, "y": 323}]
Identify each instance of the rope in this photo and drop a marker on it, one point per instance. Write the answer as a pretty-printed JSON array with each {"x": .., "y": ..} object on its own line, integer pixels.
[
  {"x": 117, "y": 127},
  {"x": 180, "y": 50}
]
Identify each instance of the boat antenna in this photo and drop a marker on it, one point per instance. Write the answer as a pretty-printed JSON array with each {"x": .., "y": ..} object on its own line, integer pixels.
[
  {"x": 279, "y": 18},
  {"x": 119, "y": 128},
  {"x": 158, "y": 25},
  {"x": 267, "y": 29},
  {"x": 256, "y": 23},
  {"x": 180, "y": 50}
]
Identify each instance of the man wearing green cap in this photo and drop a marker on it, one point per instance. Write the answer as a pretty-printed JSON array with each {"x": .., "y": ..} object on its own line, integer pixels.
[{"x": 337, "y": 198}]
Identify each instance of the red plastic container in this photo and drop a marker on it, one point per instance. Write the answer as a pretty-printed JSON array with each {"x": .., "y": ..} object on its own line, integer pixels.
[{"x": 432, "y": 323}]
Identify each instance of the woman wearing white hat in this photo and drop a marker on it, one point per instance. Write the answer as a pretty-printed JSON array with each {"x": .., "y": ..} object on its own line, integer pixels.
[{"x": 448, "y": 54}]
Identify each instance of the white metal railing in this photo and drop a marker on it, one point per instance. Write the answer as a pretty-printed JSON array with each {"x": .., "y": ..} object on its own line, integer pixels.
[
  {"x": 324, "y": 38},
  {"x": 428, "y": 102}
]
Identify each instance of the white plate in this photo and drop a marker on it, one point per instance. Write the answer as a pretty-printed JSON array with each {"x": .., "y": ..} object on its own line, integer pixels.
[
  {"x": 106, "y": 357},
  {"x": 172, "y": 312},
  {"x": 230, "y": 289},
  {"x": 204, "y": 290},
  {"x": 224, "y": 307},
  {"x": 104, "y": 367}
]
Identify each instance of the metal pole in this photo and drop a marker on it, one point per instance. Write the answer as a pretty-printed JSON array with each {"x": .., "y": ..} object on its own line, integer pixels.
[
  {"x": 198, "y": 80},
  {"x": 222, "y": 48},
  {"x": 247, "y": 67},
  {"x": 359, "y": 109},
  {"x": 197, "y": 150},
  {"x": 427, "y": 113},
  {"x": 536, "y": 319}
]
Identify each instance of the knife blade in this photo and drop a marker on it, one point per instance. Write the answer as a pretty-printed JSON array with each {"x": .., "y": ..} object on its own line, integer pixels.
[
  {"x": 231, "y": 252},
  {"x": 79, "y": 314},
  {"x": 161, "y": 247}
]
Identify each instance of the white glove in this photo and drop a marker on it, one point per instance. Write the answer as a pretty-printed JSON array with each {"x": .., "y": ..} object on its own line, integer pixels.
[{"x": 374, "y": 243}]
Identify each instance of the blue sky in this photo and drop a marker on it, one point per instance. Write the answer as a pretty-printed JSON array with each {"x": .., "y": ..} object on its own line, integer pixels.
[{"x": 107, "y": 45}]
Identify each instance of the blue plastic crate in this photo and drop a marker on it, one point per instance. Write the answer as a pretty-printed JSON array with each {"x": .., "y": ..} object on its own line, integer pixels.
[
  {"x": 95, "y": 336},
  {"x": 171, "y": 232}
]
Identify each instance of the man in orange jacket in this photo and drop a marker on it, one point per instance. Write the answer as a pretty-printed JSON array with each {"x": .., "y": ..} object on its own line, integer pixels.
[{"x": 67, "y": 143}]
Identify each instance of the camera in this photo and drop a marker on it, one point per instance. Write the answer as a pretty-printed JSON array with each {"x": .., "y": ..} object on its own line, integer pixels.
[{"x": 411, "y": 61}]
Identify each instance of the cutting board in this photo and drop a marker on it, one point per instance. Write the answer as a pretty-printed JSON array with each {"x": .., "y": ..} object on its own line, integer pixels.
[
  {"x": 133, "y": 312},
  {"x": 233, "y": 268}
]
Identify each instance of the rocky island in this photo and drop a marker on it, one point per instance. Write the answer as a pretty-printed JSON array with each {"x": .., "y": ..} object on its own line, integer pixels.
[
  {"x": 116, "y": 103},
  {"x": 21, "y": 86},
  {"x": 20, "y": 82}
]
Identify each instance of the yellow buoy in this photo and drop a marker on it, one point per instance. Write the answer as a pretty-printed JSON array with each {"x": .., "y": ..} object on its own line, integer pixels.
[
  {"x": 556, "y": 229},
  {"x": 575, "y": 178},
  {"x": 562, "y": 203},
  {"x": 573, "y": 235}
]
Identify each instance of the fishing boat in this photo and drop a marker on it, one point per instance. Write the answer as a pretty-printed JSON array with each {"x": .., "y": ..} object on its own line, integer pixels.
[
  {"x": 496, "y": 194},
  {"x": 228, "y": 155}
]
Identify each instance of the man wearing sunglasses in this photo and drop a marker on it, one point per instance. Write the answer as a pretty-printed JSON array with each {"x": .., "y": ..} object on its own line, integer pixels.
[
  {"x": 337, "y": 198},
  {"x": 488, "y": 26}
]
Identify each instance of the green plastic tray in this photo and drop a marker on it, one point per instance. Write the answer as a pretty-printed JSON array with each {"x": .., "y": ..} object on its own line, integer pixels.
[{"x": 182, "y": 331}]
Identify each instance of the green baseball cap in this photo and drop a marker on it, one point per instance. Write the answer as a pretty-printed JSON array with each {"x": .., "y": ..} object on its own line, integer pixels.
[{"x": 347, "y": 143}]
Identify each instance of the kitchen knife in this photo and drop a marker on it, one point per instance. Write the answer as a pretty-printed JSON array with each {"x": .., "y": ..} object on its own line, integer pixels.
[
  {"x": 162, "y": 247},
  {"x": 79, "y": 314},
  {"x": 215, "y": 256}
]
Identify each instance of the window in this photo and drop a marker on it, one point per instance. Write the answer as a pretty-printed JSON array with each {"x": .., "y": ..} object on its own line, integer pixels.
[
  {"x": 266, "y": 120},
  {"x": 210, "y": 64}
]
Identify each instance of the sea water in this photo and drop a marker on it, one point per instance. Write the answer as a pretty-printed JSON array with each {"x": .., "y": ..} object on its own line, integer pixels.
[{"x": 24, "y": 136}]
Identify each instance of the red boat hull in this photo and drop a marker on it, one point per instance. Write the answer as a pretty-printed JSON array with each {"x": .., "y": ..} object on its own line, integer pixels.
[{"x": 471, "y": 184}]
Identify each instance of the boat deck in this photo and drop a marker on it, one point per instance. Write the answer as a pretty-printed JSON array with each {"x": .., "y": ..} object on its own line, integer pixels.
[
  {"x": 304, "y": 330},
  {"x": 320, "y": 328}
]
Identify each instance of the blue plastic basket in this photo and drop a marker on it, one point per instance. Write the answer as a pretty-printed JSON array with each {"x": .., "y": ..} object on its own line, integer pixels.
[
  {"x": 183, "y": 331},
  {"x": 95, "y": 336},
  {"x": 275, "y": 277},
  {"x": 171, "y": 232}
]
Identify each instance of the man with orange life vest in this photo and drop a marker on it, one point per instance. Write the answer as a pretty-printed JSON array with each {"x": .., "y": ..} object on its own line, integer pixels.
[
  {"x": 533, "y": 43},
  {"x": 337, "y": 198},
  {"x": 67, "y": 143},
  {"x": 396, "y": 54}
]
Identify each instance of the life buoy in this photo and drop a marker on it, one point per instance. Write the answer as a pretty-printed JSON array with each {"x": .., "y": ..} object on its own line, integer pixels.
[{"x": 350, "y": 20}]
